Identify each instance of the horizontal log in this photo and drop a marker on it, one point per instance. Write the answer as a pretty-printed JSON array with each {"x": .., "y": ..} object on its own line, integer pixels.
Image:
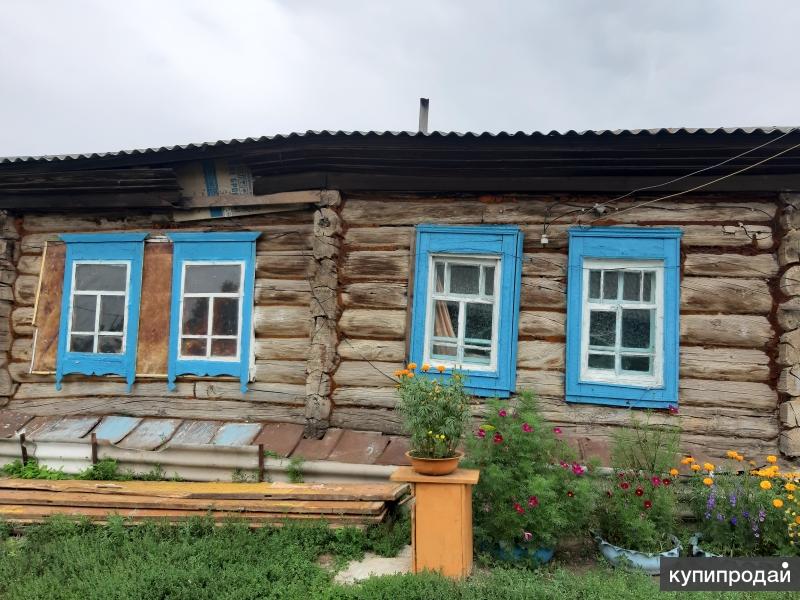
[
  {"x": 789, "y": 248},
  {"x": 21, "y": 349},
  {"x": 21, "y": 372},
  {"x": 378, "y": 265},
  {"x": 362, "y": 373},
  {"x": 368, "y": 397},
  {"x": 29, "y": 264},
  {"x": 411, "y": 212},
  {"x": 376, "y": 323},
  {"x": 544, "y": 384},
  {"x": 548, "y": 325},
  {"x": 731, "y": 265},
  {"x": 283, "y": 291},
  {"x": 22, "y": 320},
  {"x": 7, "y": 385},
  {"x": 282, "y": 321},
  {"x": 257, "y": 392},
  {"x": 375, "y": 350},
  {"x": 375, "y": 238},
  {"x": 729, "y": 236},
  {"x": 753, "y": 396},
  {"x": 543, "y": 293},
  {"x": 540, "y": 355},
  {"x": 25, "y": 289},
  {"x": 293, "y": 264},
  {"x": 63, "y": 222},
  {"x": 284, "y": 237},
  {"x": 281, "y": 371},
  {"x": 725, "y": 295},
  {"x": 102, "y": 388},
  {"x": 730, "y": 364},
  {"x": 744, "y": 331},
  {"x": 160, "y": 406},
  {"x": 375, "y": 295},
  {"x": 544, "y": 264},
  {"x": 367, "y": 419},
  {"x": 282, "y": 349},
  {"x": 33, "y": 243}
]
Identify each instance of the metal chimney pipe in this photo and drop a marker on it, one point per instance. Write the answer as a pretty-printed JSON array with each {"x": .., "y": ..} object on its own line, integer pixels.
[{"x": 423, "y": 115}]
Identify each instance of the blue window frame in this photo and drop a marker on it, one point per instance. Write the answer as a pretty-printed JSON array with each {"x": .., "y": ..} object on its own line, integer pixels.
[
  {"x": 211, "y": 324},
  {"x": 622, "y": 316},
  {"x": 100, "y": 305},
  {"x": 466, "y": 304}
]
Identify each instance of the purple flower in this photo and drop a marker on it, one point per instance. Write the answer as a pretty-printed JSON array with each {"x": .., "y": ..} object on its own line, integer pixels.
[
  {"x": 761, "y": 515},
  {"x": 734, "y": 521},
  {"x": 720, "y": 517},
  {"x": 746, "y": 514},
  {"x": 707, "y": 516},
  {"x": 733, "y": 499}
]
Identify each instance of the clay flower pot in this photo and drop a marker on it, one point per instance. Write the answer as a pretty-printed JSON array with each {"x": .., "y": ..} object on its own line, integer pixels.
[{"x": 435, "y": 466}]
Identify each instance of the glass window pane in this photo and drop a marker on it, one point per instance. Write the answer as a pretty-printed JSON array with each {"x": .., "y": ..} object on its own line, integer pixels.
[
  {"x": 83, "y": 312},
  {"x": 476, "y": 357},
  {"x": 439, "y": 276},
  {"x": 647, "y": 286},
  {"x": 443, "y": 351},
  {"x": 594, "y": 285},
  {"x": 223, "y": 347},
  {"x": 226, "y": 316},
  {"x": 601, "y": 361},
  {"x": 640, "y": 364},
  {"x": 610, "y": 285},
  {"x": 445, "y": 323},
  {"x": 81, "y": 343},
  {"x": 636, "y": 328},
  {"x": 108, "y": 278},
  {"x": 109, "y": 344},
  {"x": 630, "y": 285},
  {"x": 488, "y": 281},
  {"x": 206, "y": 279},
  {"x": 112, "y": 313},
  {"x": 464, "y": 279},
  {"x": 602, "y": 328},
  {"x": 193, "y": 347},
  {"x": 195, "y": 316},
  {"x": 478, "y": 322}
]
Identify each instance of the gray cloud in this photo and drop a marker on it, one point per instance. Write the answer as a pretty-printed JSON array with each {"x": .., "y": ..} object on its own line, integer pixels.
[{"x": 94, "y": 75}]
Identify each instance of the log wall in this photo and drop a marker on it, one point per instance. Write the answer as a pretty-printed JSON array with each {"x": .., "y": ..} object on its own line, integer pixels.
[{"x": 728, "y": 335}]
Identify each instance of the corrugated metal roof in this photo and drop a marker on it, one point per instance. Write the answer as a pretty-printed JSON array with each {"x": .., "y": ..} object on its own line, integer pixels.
[{"x": 389, "y": 134}]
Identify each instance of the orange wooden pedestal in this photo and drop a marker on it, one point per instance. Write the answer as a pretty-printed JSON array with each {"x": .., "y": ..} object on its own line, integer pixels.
[{"x": 441, "y": 521}]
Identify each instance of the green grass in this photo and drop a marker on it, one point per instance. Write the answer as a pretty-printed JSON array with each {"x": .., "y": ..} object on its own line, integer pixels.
[{"x": 195, "y": 560}]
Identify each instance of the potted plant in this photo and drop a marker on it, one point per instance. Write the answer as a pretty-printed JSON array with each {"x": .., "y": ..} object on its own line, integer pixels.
[
  {"x": 637, "y": 510},
  {"x": 435, "y": 411},
  {"x": 532, "y": 492},
  {"x": 741, "y": 511}
]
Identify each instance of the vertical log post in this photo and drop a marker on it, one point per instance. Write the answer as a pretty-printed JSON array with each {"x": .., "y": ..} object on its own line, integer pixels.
[{"x": 324, "y": 282}]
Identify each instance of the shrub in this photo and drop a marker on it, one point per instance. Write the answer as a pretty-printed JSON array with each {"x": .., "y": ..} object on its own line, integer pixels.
[
  {"x": 435, "y": 410},
  {"x": 31, "y": 470},
  {"x": 531, "y": 491}
]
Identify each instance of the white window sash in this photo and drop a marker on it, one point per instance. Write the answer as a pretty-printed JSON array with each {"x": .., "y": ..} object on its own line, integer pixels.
[
  {"x": 619, "y": 377},
  {"x": 462, "y": 299},
  {"x": 209, "y": 337},
  {"x": 96, "y": 333}
]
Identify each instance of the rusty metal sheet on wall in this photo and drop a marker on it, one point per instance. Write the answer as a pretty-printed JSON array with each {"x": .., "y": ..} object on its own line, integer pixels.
[
  {"x": 151, "y": 355},
  {"x": 48, "y": 308}
]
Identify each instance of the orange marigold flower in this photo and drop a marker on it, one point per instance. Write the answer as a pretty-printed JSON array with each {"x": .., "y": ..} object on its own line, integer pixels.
[
  {"x": 440, "y": 368},
  {"x": 765, "y": 485},
  {"x": 673, "y": 472},
  {"x": 797, "y": 519},
  {"x": 777, "y": 503},
  {"x": 411, "y": 373},
  {"x": 708, "y": 481},
  {"x": 708, "y": 467},
  {"x": 790, "y": 487},
  {"x": 739, "y": 457},
  {"x": 695, "y": 467},
  {"x": 732, "y": 454},
  {"x": 425, "y": 367},
  {"x": 411, "y": 366},
  {"x": 687, "y": 460},
  {"x": 398, "y": 373},
  {"x": 772, "y": 459}
]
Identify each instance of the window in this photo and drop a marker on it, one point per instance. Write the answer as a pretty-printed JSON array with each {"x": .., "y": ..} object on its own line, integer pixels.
[
  {"x": 466, "y": 303},
  {"x": 100, "y": 305},
  {"x": 622, "y": 319},
  {"x": 212, "y": 305}
]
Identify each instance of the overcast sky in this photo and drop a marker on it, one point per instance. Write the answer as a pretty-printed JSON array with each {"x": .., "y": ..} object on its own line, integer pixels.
[{"x": 97, "y": 75}]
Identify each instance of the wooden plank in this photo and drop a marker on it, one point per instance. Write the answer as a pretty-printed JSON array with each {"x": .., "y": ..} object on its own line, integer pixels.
[
  {"x": 368, "y": 397},
  {"x": 280, "y": 371},
  {"x": 725, "y": 295},
  {"x": 236, "y": 434},
  {"x": 366, "y": 374},
  {"x": 257, "y": 392},
  {"x": 48, "y": 310},
  {"x": 119, "y": 221},
  {"x": 375, "y": 266},
  {"x": 546, "y": 325},
  {"x": 154, "y": 314},
  {"x": 282, "y": 348},
  {"x": 287, "y": 292},
  {"x": 378, "y": 238},
  {"x": 732, "y": 364},
  {"x": 291, "y": 264},
  {"x": 66, "y": 429},
  {"x": 377, "y": 323},
  {"x": 218, "y": 490},
  {"x": 300, "y": 197},
  {"x": 375, "y": 295},
  {"x": 150, "y": 434},
  {"x": 196, "y": 432},
  {"x": 731, "y": 265},
  {"x": 370, "y": 419},
  {"x": 540, "y": 293},
  {"x": 115, "y": 427},
  {"x": 744, "y": 331},
  {"x": 540, "y": 355},
  {"x": 376, "y": 350},
  {"x": 282, "y": 321}
]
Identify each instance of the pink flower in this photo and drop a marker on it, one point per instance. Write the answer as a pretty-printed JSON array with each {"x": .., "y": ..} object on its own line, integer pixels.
[
  {"x": 655, "y": 480},
  {"x": 578, "y": 469},
  {"x": 497, "y": 438},
  {"x": 527, "y": 536},
  {"x": 503, "y": 412},
  {"x": 673, "y": 410},
  {"x": 518, "y": 508},
  {"x": 526, "y": 428},
  {"x": 557, "y": 430},
  {"x": 481, "y": 433},
  {"x": 564, "y": 465},
  {"x": 533, "y": 501}
]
